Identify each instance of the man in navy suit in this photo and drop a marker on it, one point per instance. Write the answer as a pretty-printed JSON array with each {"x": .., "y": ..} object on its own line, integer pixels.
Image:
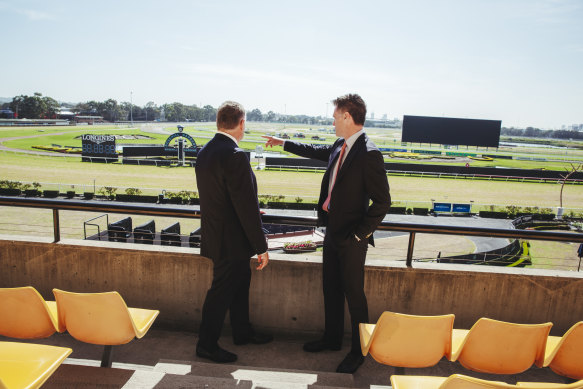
[
  {"x": 354, "y": 199},
  {"x": 231, "y": 233}
]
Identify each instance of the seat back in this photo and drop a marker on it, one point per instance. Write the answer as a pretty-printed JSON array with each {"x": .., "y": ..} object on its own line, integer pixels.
[
  {"x": 97, "y": 318},
  {"x": 410, "y": 340},
  {"x": 24, "y": 314},
  {"x": 566, "y": 358},
  {"x": 498, "y": 347}
]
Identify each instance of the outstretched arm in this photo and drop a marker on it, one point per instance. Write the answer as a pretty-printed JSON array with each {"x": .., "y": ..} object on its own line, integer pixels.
[
  {"x": 320, "y": 152},
  {"x": 273, "y": 141}
]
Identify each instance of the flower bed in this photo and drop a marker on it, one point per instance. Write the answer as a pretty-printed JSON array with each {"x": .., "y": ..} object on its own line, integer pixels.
[{"x": 299, "y": 247}]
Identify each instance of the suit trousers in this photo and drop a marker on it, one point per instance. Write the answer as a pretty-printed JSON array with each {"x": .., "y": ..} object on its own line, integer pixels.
[
  {"x": 343, "y": 278},
  {"x": 229, "y": 291}
]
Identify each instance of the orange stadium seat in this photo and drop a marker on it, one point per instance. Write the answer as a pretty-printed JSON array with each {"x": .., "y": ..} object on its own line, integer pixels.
[
  {"x": 101, "y": 318},
  {"x": 24, "y": 314},
  {"x": 564, "y": 355},
  {"x": 498, "y": 347},
  {"x": 407, "y": 340}
]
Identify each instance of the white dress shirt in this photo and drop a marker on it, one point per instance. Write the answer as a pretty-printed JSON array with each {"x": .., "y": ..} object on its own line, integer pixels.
[{"x": 229, "y": 136}]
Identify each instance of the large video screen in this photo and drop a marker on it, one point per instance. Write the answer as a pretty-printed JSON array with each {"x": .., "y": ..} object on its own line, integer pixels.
[{"x": 451, "y": 131}]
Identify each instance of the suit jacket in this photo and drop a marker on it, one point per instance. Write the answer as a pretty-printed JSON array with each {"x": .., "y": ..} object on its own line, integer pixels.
[
  {"x": 362, "y": 178},
  {"x": 230, "y": 219}
]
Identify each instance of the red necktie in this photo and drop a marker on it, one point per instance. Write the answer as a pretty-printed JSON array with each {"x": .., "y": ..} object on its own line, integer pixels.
[{"x": 326, "y": 205}]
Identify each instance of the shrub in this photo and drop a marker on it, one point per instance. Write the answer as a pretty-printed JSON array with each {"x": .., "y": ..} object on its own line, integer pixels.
[
  {"x": 10, "y": 184},
  {"x": 107, "y": 191},
  {"x": 133, "y": 191}
]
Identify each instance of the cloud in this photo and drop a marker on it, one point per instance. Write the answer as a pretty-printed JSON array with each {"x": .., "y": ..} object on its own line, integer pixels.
[
  {"x": 30, "y": 14},
  {"x": 35, "y": 15}
]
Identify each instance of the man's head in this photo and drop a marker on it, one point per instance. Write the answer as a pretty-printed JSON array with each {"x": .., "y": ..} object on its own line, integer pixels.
[
  {"x": 231, "y": 119},
  {"x": 349, "y": 114}
]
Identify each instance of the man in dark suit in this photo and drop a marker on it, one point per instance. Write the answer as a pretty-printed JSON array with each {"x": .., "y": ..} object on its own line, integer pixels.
[
  {"x": 231, "y": 232},
  {"x": 354, "y": 199}
]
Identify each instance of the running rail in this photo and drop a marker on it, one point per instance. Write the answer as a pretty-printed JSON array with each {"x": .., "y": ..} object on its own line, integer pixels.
[{"x": 193, "y": 212}]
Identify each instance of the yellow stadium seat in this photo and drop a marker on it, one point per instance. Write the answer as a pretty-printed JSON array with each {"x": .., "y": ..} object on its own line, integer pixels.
[
  {"x": 564, "y": 355},
  {"x": 24, "y": 314},
  {"x": 416, "y": 382},
  {"x": 455, "y": 381},
  {"x": 498, "y": 347},
  {"x": 460, "y": 381},
  {"x": 407, "y": 340},
  {"x": 101, "y": 318},
  {"x": 25, "y": 365},
  {"x": 549, "y": 385}
]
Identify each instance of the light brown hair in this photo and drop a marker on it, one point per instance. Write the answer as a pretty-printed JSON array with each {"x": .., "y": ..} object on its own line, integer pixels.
[{"x": 229, "y": 115}]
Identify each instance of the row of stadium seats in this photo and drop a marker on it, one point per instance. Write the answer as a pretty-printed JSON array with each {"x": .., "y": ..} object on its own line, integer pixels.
[
  {"x": 460, "y": 381},
  {"x": 121, "y": 231},
  {"x": 96, "y": 318},
  {"x": 490, "y": 346}
]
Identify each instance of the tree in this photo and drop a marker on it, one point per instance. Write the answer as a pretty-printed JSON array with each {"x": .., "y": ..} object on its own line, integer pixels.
[
  {"x": 51, "y": 107},
  {"x": 270, "y": 116},
  {"x": 109, "y": 110},
  {"x": 569, "y": 172},
  {"x": 209, "y": 113},
  {"x": 255, "y": 115},
  {"x": 29, "y": 107},
  {"x": 152, "y": 111},
  {"x": 34, "y": 107}
]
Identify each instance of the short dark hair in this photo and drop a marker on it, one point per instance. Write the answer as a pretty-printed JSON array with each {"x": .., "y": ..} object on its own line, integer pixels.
[
  {"x": 229, "y": 115},
  {"x": 354, "y": 105}
]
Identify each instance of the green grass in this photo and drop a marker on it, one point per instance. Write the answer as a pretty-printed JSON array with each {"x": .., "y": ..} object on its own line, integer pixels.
[
  {"x": 201, "y": 132},
  {"x": 69, "y": 170},
  {"x": 409, "y": 191},
  {"x": 554, "y": 255}
]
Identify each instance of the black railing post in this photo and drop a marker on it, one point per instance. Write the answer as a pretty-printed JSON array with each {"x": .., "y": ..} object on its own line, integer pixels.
[
  {"x": 56, "y": 226},
  {"x": 410, "y": 249}
]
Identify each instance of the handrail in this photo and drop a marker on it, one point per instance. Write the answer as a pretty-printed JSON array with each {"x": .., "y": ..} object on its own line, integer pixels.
[{"x": 172, "y": 210}]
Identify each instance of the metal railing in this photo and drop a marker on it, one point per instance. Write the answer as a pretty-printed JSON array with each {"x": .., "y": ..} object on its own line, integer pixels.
[{"x": 168, "y": 210}]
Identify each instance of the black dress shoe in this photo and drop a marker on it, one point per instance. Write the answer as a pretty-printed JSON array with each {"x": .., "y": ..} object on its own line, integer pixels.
[
  {"x": 255, "y": 338},
  {"x": 316, "y": 346},
  {"x": 350, "y": 363},
  {"x": 219, "y": 355}
]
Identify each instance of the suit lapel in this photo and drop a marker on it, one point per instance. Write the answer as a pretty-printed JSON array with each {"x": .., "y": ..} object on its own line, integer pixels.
[
  {"x": 334, "y": 155},
  {"x": 354, "y": 150}
]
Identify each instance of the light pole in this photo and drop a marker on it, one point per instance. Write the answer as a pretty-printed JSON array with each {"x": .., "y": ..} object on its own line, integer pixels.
[{"x": 132, "y": 108}]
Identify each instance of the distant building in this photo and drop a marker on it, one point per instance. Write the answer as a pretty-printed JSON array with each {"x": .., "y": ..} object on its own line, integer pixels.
[{"x": 6, "y": 114}]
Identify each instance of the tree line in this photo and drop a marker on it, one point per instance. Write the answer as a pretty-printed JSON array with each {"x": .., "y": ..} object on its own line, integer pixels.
[
  {"x": 38, "y": 106},
  {"x": 531, "y": 132}
]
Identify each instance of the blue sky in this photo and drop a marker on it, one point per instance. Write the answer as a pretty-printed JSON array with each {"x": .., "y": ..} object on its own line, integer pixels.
[{"x": 518, "y": 61}]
